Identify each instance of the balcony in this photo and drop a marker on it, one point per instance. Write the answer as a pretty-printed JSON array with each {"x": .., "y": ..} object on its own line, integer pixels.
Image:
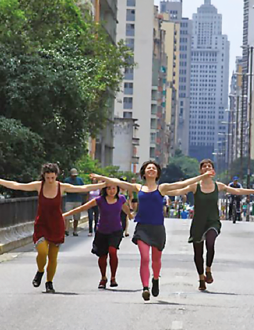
[
  {"x": 135, "y": 141},
  {"x": 135, "y": 159}
]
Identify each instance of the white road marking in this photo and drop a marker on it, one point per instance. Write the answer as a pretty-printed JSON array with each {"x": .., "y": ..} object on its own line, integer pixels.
[{"x": 177, "y": 325}]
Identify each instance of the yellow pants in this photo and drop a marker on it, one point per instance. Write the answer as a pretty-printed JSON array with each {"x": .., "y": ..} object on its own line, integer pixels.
[{"x": 46, "y": 249}]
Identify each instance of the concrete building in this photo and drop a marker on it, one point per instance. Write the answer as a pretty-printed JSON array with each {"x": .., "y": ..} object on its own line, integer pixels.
[
  {"x": 104, "y": 142},
  {"x": 174, "y": 10},
  {"x": 209, "y": 86},
  {"x": 235, "y": 118},
  {"x": 125, "y": 143},
  {"x": 172, "y": 46},
  {"x": 159, "y": 134},
  {"x": 135, "y": 25}
]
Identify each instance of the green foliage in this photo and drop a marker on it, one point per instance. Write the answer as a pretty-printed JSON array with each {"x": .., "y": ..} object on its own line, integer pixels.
[
  {"x": 86, "y": 166},
  {"x": 180, "y": 167},
  {"x": 57, "y": 72},
  {"x": 21, "y": 151}
]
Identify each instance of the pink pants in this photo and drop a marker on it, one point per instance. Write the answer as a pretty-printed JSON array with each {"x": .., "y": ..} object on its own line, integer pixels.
[{"x": 144, "y": 250}]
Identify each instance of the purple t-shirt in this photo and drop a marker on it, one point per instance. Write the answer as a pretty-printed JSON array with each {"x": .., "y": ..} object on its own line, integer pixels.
[
  {"x": 110, "y": 219},
  {"x": 94, "y": 193}
]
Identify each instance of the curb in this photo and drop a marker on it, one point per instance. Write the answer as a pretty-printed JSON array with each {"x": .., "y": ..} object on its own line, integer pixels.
[{"x": 18, "y": 236}]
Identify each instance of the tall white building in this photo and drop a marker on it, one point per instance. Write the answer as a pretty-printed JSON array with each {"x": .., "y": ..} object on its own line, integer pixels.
[
  {"x": 135, "y": 26},
  {"x": 209, "y": 85}
]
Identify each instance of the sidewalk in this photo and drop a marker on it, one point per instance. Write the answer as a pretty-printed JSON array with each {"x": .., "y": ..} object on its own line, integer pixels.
[{"x": 14, "y": 237}]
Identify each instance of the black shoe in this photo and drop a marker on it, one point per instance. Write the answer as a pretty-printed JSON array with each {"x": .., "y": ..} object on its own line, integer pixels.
[
  {"x": 146, "y": 294},
  {"x": 155, "y": 287},
  {"x": 75, "y": 233},
  {"x": 49, "y": 287},
  {"x": 113, "y": 283},
  {"x": 66, "y": 233},
  {"x": 37, "y": 279}
]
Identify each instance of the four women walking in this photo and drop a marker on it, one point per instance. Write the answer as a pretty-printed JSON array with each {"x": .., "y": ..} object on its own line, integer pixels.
[{"x": 49, "y": 229}]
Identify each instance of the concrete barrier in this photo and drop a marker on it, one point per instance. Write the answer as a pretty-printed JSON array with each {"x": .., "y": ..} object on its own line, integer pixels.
[{"x": 19, "y": 235}]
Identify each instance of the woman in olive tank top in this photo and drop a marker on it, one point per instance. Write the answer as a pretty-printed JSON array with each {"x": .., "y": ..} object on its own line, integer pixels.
[
  {"x": 206, "y": 223},
  {"x": 150, "y": 231}
]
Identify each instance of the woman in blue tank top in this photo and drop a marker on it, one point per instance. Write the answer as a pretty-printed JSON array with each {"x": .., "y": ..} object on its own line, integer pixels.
[{"x": 150, "y": 230}]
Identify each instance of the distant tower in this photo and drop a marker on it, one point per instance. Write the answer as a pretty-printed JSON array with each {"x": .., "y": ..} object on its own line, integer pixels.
[{"x": 209, "y": 86}]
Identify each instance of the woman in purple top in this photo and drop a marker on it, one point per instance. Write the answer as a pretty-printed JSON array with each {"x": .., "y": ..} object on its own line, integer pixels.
[
  {"x": 109, "y": 231},
  {"x": 150, "y": 231}
]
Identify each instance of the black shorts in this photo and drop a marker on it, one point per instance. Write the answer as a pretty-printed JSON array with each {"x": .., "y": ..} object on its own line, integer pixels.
[
  {"x": 134, "y": 200},
  {"x": 102, "y": 242}
]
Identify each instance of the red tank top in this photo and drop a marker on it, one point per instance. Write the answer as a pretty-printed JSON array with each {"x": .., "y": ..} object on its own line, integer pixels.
[{"x": 49, "y": 222}]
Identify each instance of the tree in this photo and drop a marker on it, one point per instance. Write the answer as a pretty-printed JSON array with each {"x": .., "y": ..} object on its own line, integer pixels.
[
  {"x": 21, "y": 151},
  {"x": 57, "y": 70}
]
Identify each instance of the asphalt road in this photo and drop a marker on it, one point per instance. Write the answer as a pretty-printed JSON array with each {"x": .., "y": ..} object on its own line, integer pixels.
[{"x": 227, "y": 304}]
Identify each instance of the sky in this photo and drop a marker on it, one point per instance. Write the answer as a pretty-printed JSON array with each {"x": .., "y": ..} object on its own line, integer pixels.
[{"x": 232, "y": 20}]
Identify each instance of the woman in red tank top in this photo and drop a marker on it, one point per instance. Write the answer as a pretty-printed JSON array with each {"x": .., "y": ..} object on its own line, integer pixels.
[{"x": 49, "y": 227}]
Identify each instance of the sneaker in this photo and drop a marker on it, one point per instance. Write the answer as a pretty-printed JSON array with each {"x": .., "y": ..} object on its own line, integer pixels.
[
  {"x": 75, "y": 233},
  {"x": 102, "y": 284},
  {"x": 66, "y": 233},
  {"x": 49, "y": 287},
  {"x": 208, "y": 277},
  {"x": 155, "y": 287},
  {"x": 113, "y": 283},
  {"x": 37, "y": 279},
  {"x": 146, "y": 294},
  {"x": 90, "y": 234},
  {"x": 202, "y": 286}
]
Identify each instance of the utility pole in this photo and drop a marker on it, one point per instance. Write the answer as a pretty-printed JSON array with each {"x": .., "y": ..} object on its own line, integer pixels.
[
  {"x": 249, "y": 146},
  {"x": 242, "y": 127}
]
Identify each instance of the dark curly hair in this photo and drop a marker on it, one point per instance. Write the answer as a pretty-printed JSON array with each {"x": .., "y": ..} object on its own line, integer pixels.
[
  {"x": 144, "y": 166},
  {"x": 49, "y": 168}
]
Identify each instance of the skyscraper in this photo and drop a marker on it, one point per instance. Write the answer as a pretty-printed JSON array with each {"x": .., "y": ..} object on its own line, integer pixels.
[
  {"x": 209, "y": 85},
  {"x": 174, "y": 11}
]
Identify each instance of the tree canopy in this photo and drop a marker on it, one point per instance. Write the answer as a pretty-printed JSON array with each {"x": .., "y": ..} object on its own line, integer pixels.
[{"x": 57, "y": 70}]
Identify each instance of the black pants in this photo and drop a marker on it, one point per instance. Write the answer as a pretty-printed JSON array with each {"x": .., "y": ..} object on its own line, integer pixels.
[
  {"x": 93, "y": 214},
  {"x": 123, "y": 220},
  {"x": 238, "y": 207},
  {"x": 199, "y": 250}
]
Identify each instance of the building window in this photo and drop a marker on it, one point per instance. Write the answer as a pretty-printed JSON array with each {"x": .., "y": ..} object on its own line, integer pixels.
[
  {"x": 130, "y": 43},
  {"x": 131, "y": 3},
  {"x": 127, "y": 114},
  {"x": 130, "y": 30},
  {"x": 128, "y": 88},
  {"x": 127, "y": 102},
  {"x": 128, "y": 74},
  {"x": 130, "y": 15}
]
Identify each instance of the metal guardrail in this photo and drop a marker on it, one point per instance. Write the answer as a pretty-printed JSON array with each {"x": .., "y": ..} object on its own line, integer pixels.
[{"x": 14, "y": 211}]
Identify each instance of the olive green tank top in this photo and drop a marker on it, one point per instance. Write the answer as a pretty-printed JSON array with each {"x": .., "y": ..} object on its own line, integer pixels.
[{"x": 206, "y": 214}]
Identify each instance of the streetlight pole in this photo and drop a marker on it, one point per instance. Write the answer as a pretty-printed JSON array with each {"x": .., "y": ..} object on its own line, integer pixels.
[
  {"x": 249, "y": 146},
  {"x": 242, "y": 118}
]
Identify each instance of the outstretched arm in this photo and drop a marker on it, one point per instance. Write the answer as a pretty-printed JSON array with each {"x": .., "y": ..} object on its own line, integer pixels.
[
  {"x": 81, "y": 189},
  {"x": 234, "y": 191},
  {"x": 117, "y": 182},
  {"x": 183, "y": 191},
  {"x": 166, "y": 187},
  {"x": 31, "y": 186},
  {"x": 81, "y": 208}
]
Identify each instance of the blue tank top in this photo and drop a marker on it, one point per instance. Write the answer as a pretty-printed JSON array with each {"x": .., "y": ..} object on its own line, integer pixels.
[{"x": 150, "y": 208}]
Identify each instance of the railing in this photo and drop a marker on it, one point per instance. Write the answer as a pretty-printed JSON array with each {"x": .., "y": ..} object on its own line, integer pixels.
[{"x": 16, "y": 211}]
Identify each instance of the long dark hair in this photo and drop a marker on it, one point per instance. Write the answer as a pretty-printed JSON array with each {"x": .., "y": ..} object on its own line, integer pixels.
[
  {"x": 49, "y": 168},
  {"x": 104, "y": 192}
]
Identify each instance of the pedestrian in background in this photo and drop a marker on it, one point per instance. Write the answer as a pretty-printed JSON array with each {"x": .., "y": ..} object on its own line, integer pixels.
[
  {"x": 73, "y": 201},
  {"x": 93, "y": 212},
  {"x": 49, "y": 225}
]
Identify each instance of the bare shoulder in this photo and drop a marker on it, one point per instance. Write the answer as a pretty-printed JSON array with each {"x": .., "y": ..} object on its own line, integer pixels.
[
  {"x": 221, "y": 186},
  {"x": 193, "y": 187}
]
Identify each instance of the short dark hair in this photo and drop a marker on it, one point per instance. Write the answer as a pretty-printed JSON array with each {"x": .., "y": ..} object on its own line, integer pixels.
[
  {"x": 49, "y": 168},
  {"x": 104, "y": 192},
  {"x": 144, "y": 166},
  {"x": 206, "y": 161}
]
